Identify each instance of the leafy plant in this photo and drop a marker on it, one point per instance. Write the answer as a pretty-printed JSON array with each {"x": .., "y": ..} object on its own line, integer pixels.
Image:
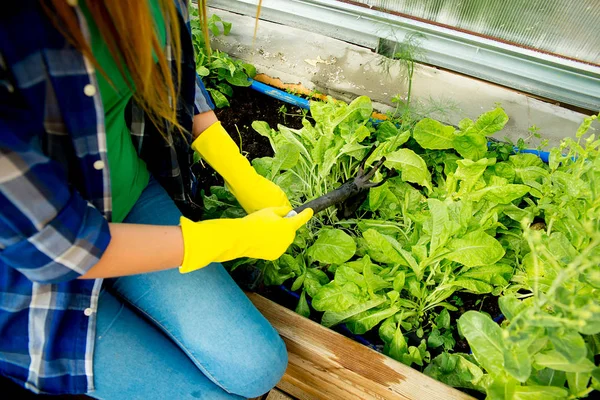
[
  {"x": 549, "y": 343},
  {"x": 218, "y": 70},
  {"x": 458, "y": 216}
]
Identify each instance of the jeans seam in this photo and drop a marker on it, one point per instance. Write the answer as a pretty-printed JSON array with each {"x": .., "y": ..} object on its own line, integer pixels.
[
  {"x": 200, "y": 366},
  {"x": 113, "y": 321}
]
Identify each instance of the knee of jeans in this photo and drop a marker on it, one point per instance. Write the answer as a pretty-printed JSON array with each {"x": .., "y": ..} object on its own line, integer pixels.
[{"x": 262, "y": 373}]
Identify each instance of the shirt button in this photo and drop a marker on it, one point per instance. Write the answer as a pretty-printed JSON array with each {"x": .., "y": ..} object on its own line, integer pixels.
[
  {"x": 99, "y": 165},
  {"x": 89, "y": 90},
  {"x": 88, "y": 312}
]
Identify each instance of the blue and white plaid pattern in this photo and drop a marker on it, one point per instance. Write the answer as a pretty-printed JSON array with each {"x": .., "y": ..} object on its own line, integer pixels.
[{"x": 55, "y": 197}]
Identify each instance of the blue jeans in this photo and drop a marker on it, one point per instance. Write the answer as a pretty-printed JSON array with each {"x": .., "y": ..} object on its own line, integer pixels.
[{"x": 165, "y": 335}]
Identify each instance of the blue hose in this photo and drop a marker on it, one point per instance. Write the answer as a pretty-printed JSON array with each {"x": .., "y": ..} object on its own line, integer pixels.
[{"x": 280, "y": 94}]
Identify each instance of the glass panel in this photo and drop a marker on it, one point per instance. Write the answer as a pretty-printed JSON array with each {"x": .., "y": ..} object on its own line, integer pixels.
[{"x": 570, "y": 28}]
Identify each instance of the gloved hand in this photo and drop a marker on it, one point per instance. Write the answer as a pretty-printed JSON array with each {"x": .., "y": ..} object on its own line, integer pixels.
[
  {"x": 265, "y": 234},
  {"x": 253, "y": 191}
]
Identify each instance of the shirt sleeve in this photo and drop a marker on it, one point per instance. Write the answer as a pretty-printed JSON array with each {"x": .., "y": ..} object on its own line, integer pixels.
[
  {"x": 202, "y": 101},
  {"x": 48, "y": 232}
]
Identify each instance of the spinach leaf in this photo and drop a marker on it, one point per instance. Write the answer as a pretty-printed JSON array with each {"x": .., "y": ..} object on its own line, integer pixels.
[
  {"x": 431, "y": 134},
  {"x": 475, "y": 249},
  {"x": 336, "y": 297},
  {"x": 411, "y": 165},
  {"x": 485, "y": 339},
  {"x": 333, "y": 246}
]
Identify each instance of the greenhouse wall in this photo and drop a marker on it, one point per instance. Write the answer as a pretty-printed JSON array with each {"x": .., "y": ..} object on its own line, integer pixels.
[
  {"x": 554, "y": 77},
  {"x": 563, "y": 27},
  {"x": 346, "y": 71}
]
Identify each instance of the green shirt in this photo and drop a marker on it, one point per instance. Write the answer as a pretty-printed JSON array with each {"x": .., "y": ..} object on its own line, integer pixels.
[{"x": 128, "y": 173}]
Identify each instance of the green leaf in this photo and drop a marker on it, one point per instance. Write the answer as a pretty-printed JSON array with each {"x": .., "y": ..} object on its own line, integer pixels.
[
  {"x": 443, "y": 319},
  {"x": 202, "y": 71},
  {"x": 365, "y": 321},
  {"x": 511, "y": 306},
  {"x": 382, "y": 197},
  {"x": 517, "y": 362},
  {"x": 333, "y": 246},
  {"x": 331, "y": 318},
  {"x": 475, "y": 249},
  {"x": 344, "y": 274},
  {"x": 569, "y": 343},
  {"x": 555, "y": 360},
  {"x": 431, "y": 134},
  {"x": 440, "y": 225},
  {"x": 501, "y": 192},
  {"x": 411, "y": 165},
  {"x": 435, "y": 339},
  {"x": 226, "y": 27},
  {"x": 314, "y": 280},
  {"x": 380, "y": 249},
  {"x": 298, "y": 282},
  {"x": 275, "y": 275},
  {"x": 387, "y": 330},
  {"x": 491, "y": 122},
  {"x": 263, "y": 166},
  {"x": 456, "y": 370},
  {"x": 470, "y": 172},
  {"x": 492, "y": 274},
  {"x": 218, "y": 98},
  {"x": 290, "y": 183},
  {"x": 302, "y": 308},
  {"x": 548, "y": 377},
  {"x": 399, "y": 280},
  {"x": 397, "y": 348},
  {"x": 225, "y": 89},
  {"x": 375, "y": 283},
  {"x": 473, "y": 286},
  {"x": 578, "y": 383},
  {"x": 250, "y": 69},
  {"x": 335, "y": 297},
  {"x": 485, "y": 338},
  {"x": 472, "y": 146},
  {"x": 528, "y": 167},
  {"x": 239, "y": 78},
  {"x": 539, "y": 392},
  {"x": 465, "y": 124},
  {"x": 501, "y": 387},
  {"x": 385, "y": 131},
  {"x": 286, "y": 158}
]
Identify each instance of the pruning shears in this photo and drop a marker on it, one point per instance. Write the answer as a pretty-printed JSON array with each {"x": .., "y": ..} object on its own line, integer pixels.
[{"x": 351, "y": 189}]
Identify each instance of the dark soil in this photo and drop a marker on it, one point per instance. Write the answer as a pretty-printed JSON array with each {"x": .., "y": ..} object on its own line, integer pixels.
[
  {"x": 488, "y": 304},
  {"x": 247, "y": 106}
]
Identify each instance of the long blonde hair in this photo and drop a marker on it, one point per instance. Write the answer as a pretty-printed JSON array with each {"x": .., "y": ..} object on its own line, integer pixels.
[{"x": 129, "y": 30}]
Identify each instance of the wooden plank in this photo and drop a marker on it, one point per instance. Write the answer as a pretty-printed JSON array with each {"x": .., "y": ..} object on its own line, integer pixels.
[
  {"x": 276, "y": 394},
  {"x": 326, "y": 365},
  {"x": 293, "y": 389}
]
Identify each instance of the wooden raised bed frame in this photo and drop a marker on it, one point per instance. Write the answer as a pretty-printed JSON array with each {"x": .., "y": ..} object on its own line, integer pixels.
[{"x": 326, "y": 365}]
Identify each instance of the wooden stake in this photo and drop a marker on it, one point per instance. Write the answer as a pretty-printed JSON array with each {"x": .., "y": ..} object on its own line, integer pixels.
[
  {"x": 203, "y": 15},
  {"x": 258, "y": 8}
]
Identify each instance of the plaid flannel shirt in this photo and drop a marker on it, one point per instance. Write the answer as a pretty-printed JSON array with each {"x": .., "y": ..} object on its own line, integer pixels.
[{"x": 55, "y": 199}]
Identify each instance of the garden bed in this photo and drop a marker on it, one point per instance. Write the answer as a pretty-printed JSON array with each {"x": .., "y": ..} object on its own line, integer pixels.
[{"x": 421, "y": 261}]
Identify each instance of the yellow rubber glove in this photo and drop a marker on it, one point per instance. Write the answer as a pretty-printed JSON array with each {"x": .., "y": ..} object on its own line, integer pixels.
[
  {"x": 253, "y": 191},
  {"x": 265, "y": 234}
]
